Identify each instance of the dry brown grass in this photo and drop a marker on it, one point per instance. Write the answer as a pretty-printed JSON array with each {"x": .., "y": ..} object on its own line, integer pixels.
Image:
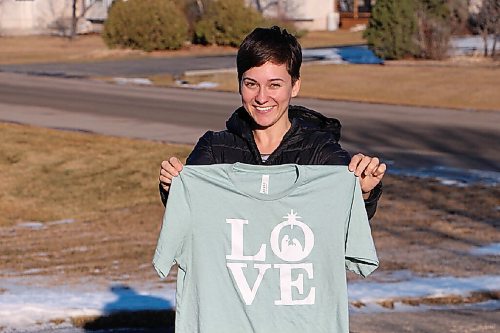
[
  {"x": 40, "y": 49},
  {"x": 34, "y": 49},
  {"x": 451, "y": 86},
  {"x": 331, "y": 38},
  {"x": 48, "y": 175},
  {"x": 461, "y": 87},
  {"x": 109, "y": 187}
]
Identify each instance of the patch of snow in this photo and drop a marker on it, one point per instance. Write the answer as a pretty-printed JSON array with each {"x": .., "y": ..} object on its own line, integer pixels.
[
  {"x": 330, "y": 55},
  {"x": 26, "y": 307},
  {"x": 371, "y": 293},
  {"x": 35, "y": 225},
  {"x": 451, "y": 176},
  {"x": 64, "y": 221},
  {"x": 488, "y": 250},
  {"x": 358, "y": 27},
  {"x": 132, "y": 80},
  {"x": 201, "y": 85},
  {"x": 469, "y": 45},
  {"x": 32, "y": 271}
]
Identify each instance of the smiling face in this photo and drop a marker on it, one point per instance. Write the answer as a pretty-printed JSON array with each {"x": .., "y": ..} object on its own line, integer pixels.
[{"x": 266, "y": 92}]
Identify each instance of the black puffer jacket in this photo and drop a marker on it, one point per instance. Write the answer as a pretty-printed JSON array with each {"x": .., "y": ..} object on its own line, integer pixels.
[{"x": 311, "y": 140}]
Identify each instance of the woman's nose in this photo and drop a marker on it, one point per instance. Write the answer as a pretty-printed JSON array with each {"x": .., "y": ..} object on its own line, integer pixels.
[{"x": 261, "y": 97}]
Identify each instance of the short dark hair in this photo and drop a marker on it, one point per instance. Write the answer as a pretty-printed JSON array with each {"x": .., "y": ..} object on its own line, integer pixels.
[{"x": 274, "y": 45}]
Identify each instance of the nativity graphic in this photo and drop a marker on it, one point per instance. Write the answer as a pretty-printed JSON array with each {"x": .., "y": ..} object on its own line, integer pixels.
[{"x": 288, "y": 248}]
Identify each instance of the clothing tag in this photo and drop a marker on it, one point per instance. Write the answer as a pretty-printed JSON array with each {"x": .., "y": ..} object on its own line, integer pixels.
[{"x": 264, "y": 185}]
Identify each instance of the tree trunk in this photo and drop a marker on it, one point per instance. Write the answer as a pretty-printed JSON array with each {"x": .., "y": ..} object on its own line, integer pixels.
[
  {"x": 484, "y": 35},
  {"x": 493, "y": 48},
  {"x": 201, "y": 9},
  {"x": 74, "y": 20},
  {"x": 259, "y": 6}
]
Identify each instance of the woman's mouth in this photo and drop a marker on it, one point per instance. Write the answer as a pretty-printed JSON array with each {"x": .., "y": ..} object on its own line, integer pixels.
[{"x": 263, "y": 108}]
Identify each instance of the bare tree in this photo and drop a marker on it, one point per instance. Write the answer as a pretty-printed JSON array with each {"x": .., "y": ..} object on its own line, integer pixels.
[
  {"x": 263, "y": 5},
  {"x": 78, "y": 10},
  {"x": 486, "y": 21}
]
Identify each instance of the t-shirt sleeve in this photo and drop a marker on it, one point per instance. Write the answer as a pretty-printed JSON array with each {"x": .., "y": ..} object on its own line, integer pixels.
[
  {"x": 175, "y": 229},
  {"x": 360, "y": 254}
]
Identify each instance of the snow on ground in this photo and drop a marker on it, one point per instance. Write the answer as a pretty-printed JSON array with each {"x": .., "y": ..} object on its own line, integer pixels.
[
  {"x": 450, "y": 176},
  {"x": 373, "y": 292},
  {"x": 31, "y": 308},
  {"x": 488, "y": 250}
]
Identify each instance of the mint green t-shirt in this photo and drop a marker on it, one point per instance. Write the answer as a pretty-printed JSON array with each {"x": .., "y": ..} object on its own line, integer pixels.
[{"x": 264, "y": 248}]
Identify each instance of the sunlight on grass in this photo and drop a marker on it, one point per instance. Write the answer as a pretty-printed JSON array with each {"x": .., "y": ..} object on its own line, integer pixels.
[
  {"x": 41, "y": 49},
  {"x": 461, "y": 87},
  {"x": 331, "y": 38},
  {"x": 49, "y": 175}
]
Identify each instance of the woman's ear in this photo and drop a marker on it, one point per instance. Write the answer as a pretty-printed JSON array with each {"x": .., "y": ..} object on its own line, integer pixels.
[{"x": 296, "y": 88}]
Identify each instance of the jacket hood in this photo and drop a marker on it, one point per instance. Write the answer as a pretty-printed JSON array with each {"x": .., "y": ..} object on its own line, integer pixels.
[{"x": 302, "y": 119}]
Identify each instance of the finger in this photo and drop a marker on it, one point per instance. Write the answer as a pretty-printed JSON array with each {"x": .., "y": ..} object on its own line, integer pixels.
[
  {"x": 380, "y": 171},
  {"x": 176, "y": 163},
  {"x": 165, "y": 178},
  {"x": 372, "y": 166},
  {"x": 169, "y": 170},
  {"x": 355, "y": 161},
  {"x": 361, "y": 167},
  {"x": 166, "y": 171}
]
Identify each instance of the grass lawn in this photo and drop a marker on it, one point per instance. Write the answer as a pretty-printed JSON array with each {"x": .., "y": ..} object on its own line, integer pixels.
[
  {"x": 331, "y": 38},
  {"x": 39, "y": 49},
  {"x": 107, "y": 186},
  {"x": 48, "y": 175},
  {"x": 454, "y": 86}
]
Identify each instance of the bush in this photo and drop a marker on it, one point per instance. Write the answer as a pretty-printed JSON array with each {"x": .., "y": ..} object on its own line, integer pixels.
[
  {"x": 226, "y": 22},
  {"x": 391, "y": 29},
  {"x": 145, "y": 24}
]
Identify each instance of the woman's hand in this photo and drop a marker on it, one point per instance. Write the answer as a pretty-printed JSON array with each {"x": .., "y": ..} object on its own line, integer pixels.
[
  {"x": 369, "y": 170},
  {"x": 168, "y": 170}
]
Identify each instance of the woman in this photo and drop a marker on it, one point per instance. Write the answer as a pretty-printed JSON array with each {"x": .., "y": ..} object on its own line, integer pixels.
[{"x": 267, "y": 130}]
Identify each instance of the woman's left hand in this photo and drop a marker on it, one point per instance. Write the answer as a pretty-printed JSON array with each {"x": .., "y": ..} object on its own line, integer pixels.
[{"x": 369, "y": 170}]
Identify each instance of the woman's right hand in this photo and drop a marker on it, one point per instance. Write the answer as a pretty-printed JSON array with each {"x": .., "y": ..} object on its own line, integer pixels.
[{"x": 169, "y": 169}]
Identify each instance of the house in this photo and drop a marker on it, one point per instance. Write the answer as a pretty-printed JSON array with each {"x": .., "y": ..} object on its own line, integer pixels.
[
  {"x": 354, "y": 12},
  {"x": 29, "y": 17},
  {"x": 317, "y": 14},
  {"x": 26, "y": 17}
]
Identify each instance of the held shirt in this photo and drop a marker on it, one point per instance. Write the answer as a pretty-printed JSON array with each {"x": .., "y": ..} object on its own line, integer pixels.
[{"x": 264, "y": 248}]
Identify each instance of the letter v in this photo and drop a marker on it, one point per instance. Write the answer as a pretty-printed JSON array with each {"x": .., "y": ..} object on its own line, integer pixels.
[{"x": 241, "y": 281}]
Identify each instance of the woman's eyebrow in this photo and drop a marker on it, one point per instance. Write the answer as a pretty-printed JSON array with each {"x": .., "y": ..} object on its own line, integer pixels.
[{"x": 270, "y": 80}]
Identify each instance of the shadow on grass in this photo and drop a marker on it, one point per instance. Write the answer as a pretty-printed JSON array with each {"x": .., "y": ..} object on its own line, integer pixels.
[{"x": 133, "y": 312}]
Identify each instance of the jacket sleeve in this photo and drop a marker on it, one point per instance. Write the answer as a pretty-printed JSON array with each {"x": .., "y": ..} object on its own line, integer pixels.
[
  {"x": 200, "y": 155},
  {"x": 333, "y": 154}
]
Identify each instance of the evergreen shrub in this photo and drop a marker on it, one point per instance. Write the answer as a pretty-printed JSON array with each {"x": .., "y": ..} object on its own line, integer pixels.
[
  {"x": 145, "y": 24},
  {"x": 391, "y": 29}
]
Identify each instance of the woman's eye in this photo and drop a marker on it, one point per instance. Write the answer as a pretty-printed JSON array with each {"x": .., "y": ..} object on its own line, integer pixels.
[
  {"x": 249, "y": 84},
  {"x": 275, "y": 85}
]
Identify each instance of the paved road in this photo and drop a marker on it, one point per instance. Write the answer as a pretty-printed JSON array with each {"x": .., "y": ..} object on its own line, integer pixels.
[
  {"x": 142, "y": 67},
  {"x": 409, "y": 136},
  {"x": 128, "y": 67}
]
